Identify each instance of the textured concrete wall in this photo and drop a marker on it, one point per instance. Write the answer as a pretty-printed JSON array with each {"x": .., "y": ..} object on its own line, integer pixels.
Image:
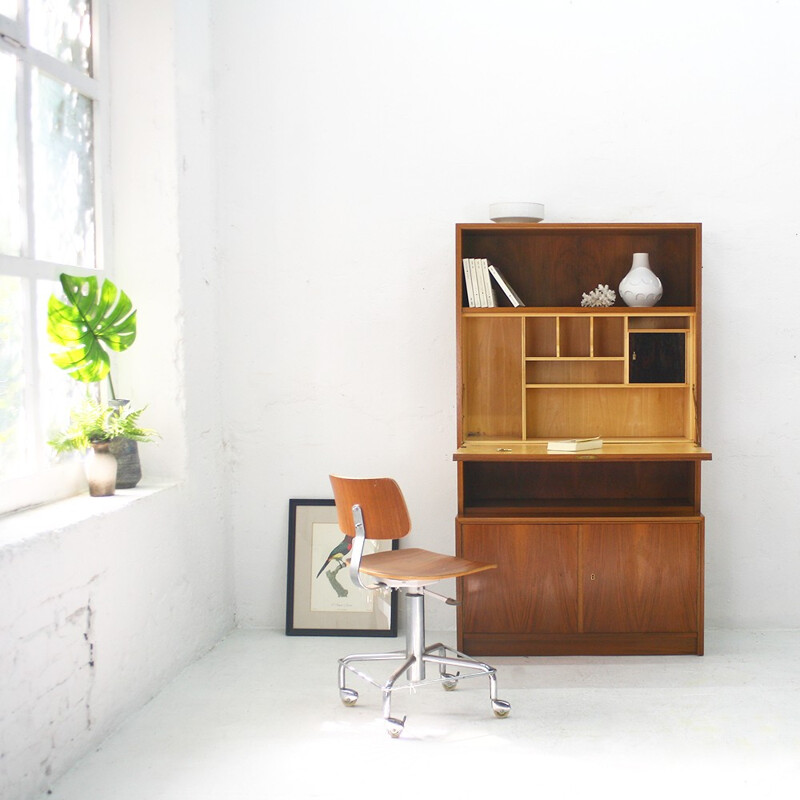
[
  {"x": 104, "y": 600},
  {"x": 96, "y": 616}
]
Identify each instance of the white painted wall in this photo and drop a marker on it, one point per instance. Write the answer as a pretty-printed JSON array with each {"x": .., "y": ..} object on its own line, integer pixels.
[
  {"x": 100, "y": 609},
  {"x": 354, "y": 135}
]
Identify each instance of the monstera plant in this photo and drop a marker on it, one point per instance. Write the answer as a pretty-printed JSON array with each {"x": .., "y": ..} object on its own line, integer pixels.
[{"x": 95, "y": 319}]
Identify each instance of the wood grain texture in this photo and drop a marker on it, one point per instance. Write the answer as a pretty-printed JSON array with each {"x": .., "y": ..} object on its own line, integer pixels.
[
  {"x": 594, "y": 588},
  {"x": 382, "y": 504},
  {"x": 492, "y": 376},
  {"x": 552, "y": 265},
  {"x": 609, "y": 412},
  {"x": 534, "y": 588},
  {"x": 641, "y": 450},
  {"x": 416, "y": 564},
  {"x": 583, "y": 644},
  {"x": 640, "y": 577}
]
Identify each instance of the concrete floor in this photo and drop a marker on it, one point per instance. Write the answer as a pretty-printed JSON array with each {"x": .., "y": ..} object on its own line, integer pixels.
[{"x": 259, "y": 717}]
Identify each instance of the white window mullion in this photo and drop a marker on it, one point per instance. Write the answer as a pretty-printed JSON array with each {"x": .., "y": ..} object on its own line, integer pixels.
[
  {"x": 13, "y": 30},
  {"x": 25, "y": 144},
  {"x": 56, "y": 69},
  {"x": 24, "y": 150},
  {"x": 31, "y": 394},
  {"x": 44, "y": 270}
]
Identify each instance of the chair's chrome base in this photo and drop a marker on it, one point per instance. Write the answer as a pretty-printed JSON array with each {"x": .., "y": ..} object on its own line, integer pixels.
[{"x": 414, "y": 659}]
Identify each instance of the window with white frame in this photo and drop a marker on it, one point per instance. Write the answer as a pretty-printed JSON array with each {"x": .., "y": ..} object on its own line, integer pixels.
[{"x": 50, "y": 223}]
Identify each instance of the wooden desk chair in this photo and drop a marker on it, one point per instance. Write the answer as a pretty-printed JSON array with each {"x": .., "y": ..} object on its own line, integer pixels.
[{"x": 374, "y": 508}]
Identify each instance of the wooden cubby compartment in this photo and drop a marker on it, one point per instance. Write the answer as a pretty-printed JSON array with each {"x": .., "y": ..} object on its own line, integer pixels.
[
  {"x": 601, "y": 551},
  {"x": 608, "y": 337},
  {"x": 574, "y": 337},
  {"x": 579, "y": 488},
  {"x": 532, "y": 374},
  {"x": 574, "y": 372},
  {"x": 541, "y": 336},
  {"x": 551, "y": 266}
]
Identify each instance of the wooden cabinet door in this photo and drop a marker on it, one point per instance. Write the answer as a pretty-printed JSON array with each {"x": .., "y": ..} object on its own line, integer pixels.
[
  {"x": 640, "y": 577},
  {"x": 491, "y": 405},
  {"x": 535, "y": 586}
]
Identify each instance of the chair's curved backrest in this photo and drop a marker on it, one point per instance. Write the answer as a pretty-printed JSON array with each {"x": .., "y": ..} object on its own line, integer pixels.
[{"x": 382, "y": 505}]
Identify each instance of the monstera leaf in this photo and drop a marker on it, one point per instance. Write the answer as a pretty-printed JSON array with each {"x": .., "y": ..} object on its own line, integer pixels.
[{"x": 94, "y": 320}]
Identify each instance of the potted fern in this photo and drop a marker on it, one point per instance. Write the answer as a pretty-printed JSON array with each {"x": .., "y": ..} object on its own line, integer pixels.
[
  {"x": 94, "y": 427},
  {"x": 95, "y": 319}
]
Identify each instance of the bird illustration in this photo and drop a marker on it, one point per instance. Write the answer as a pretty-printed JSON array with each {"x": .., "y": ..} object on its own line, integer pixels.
[
  {"x": 336, "y": 559},
  {"x": 337, "y": 554}
]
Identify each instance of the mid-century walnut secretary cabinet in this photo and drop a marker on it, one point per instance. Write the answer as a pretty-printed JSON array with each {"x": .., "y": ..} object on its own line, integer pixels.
[{"x": 601, "y": 551}]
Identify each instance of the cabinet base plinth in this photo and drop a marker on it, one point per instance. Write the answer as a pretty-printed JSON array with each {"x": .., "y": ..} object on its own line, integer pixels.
[{"x": 594, "y": 644}]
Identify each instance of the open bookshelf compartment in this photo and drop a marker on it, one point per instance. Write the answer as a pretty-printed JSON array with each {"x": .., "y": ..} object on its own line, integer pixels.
[
  {"x": 588, "y": 371},
  {"x": 678, "y": 323},
  {"x": 591, "y": 488},
  {"x": 540, "y": 337},
  {"x": 554, "y": 265},
  {"x": 608, "y": 336},
  {"x": 574, "y": 337}
]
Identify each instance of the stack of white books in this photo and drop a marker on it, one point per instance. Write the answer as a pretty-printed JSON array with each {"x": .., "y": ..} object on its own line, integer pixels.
[{"x": 480, "y": 289}]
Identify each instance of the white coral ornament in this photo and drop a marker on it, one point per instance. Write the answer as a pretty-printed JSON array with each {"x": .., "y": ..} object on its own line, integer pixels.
[{"x": 602, "y": 297}]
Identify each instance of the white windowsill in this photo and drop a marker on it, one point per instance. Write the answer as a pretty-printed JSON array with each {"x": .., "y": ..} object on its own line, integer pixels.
[{"x": 20, "y": 526}]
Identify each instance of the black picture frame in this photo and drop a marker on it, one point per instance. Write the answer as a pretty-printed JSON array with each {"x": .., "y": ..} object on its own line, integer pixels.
[{"x": 321, "y": 600}]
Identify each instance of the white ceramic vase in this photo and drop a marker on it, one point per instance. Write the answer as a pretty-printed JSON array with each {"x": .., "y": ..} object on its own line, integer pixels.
[
  {"x": 641, "y": 286},
  {"x": 101, "y": 470}
]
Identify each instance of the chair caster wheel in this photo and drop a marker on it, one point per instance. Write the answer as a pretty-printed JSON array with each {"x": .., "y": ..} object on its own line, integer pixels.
[
  {"x": 501, "y": 708},
  {"x": 348, "y": 696},
  {"x": 449, "y": 682},
  {"x": 394, "y": 727}
]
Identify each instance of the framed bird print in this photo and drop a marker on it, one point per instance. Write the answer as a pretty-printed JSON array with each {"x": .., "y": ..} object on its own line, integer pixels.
[{"x": 321, "y": 598}]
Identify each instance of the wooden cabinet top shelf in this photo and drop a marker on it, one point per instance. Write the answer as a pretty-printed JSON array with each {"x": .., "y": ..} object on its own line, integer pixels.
[
  {"x": 567, "y": 311},
  {"x": 571, "y": 227}
]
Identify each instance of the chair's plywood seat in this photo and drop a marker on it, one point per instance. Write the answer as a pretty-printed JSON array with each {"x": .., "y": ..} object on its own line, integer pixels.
[{"x": 417, "y": 565}]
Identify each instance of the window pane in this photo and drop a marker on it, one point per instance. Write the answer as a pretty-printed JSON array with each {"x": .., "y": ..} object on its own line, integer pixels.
[
  {"x": 62, "y": 29},
  {"x": 13, "y": 455},
  {"x": 8, "y": 8},
  {"x": 10, "y": 212},
  {"x": 63, "y": 175}
]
